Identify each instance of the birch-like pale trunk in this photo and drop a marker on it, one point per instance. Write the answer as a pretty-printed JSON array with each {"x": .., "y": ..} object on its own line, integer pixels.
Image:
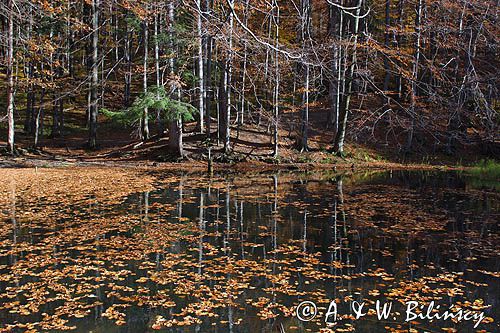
[
  {"x": 10, "y": 74},
  {"x": 171, "y": 19},
  {"x": 128, "y": 64},
  {"x": 305, "y": 111},
  {"x": 56, "y": 131},
  {"x": 266, "y": 67},
  {"x": 240, "y": 116},
  {"x": 38, "y": 121},
  {"x": 175, "y": 142},
  {"x": 340, "y": 73},
  {"x": 338, "y": 146},
  {"x": 114, "y": 23},
  {"x": 157, "y": 70},
  {"x": 145, "y": 113},
  {"x": 221, "y": 97},
  {"x": 277, "y": 81},
  {"x": 94, "y": 76},
  {"x": 29, "y": 69},
  {"x": 305, "y": 36},
  {"x": 201, "y": 79},
  {"x": 208, "y": 85},
  {"x": 227, "y": 84},
  {"x": 333, "y": 26}
]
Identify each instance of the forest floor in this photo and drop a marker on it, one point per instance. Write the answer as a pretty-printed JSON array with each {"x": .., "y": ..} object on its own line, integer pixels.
[{"x": 252, "y": 149}]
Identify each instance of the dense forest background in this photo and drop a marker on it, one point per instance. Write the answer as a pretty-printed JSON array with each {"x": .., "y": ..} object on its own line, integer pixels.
[{"x": 412, "y": 76}]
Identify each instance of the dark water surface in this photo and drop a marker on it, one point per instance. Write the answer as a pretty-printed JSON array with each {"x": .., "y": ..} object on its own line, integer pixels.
[{"x": 238, "y": 253}]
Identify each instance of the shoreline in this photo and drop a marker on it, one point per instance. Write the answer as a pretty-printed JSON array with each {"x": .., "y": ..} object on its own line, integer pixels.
[{"x": 196, "y": 166}]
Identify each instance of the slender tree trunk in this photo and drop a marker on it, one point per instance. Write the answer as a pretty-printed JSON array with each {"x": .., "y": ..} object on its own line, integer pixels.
[
  {"x": 340, "y": 137},
  {"x": 10, "y": 74},
  {"x": 305, "y": 37},
  {"x": 201, "y": 79},
  {"x": 222, "y": 105},
  {"x": 277, "y": 81},
  {"x": 57, "y": 98},
  {"x": 305, "y": 112},
  {"x": 39, "y": 117},
  {"x": 208, "y": 86},
  {"x": 387, "y": 67},
  {"x": 458, "y": 82},
  {"x": 145, "y": 114},
  {"x": 333, "y": 26},
  {"x": 171, "y": 19},
  {"x": 102, "y": 63},
  {"x": 94, "y": 78},
  {"x": 128, "y": 64},
  {"x": 159, "y": 121},
  {"x": 340, "y": 72},
  {"x": 414, "y": 87},
  {"x": 28, "y": 121},
  {"x": 399, "y": 79},
  {"x": 69, "y": 45},
  {"x": 175, "y": 143},
  {"x": 114, "y": 23},
  {"x": 241, "y": 111},
  {"x": 266, "y": 69},
  {"x": 227, "y": 85}
]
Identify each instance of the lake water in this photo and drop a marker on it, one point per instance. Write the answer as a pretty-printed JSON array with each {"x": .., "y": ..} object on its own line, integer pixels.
[{"x": 238, "y": 253}]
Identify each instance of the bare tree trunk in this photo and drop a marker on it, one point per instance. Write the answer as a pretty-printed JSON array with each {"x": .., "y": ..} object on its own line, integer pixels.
[
  {"x": 175, "y": 138},
  {"x": 171, "y": 18},
  {"x": 145, "y": 113},
  {"x": 399, "y": 79},
  {"x": 201, "y": 79},
  {"x": 340, "y": 73},
  {"x": 241, "y": 111},
  {"x": 277, "y": 80},
  {"x": 414, "y": 92},
  {"x": 10, "y": 75},
  {"x": 333, "y": 27},
  {"x": 208, "y": 85},
  {"x": 159, "y": 121},
  {"x": 305, "y": 112},
  {"x": 386, "y": 44},
  {"x": 114, "y": 23},
  {"x": 28, "y": 121},
  {"x": 222, "y": 105},
  {"x": 340, "y": 137},
  {"x": 266, "y": 68},
  {"x": 128, "y": 64},
  {"x": 70, "y": 35},
  {"x": 305, "y": 36},
  {"x": 175, "y": 144},
  {"x": 458, "y": 81},
  {"x": 30, "y": 97},
  {"x": 227, "y": 85},
  {"x": 94, "y": 78},
  {"x": 57, "y": 98},
  {"x": 39, "y": 116}
]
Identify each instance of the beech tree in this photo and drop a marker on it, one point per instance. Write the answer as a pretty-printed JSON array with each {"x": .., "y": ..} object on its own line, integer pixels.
[
  {"x": 10, "y": 73},
  {"x": 94, "y": 75}
]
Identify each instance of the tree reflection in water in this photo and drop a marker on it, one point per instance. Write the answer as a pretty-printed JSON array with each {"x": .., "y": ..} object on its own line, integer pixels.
[{"x": 238, "y": 253}]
